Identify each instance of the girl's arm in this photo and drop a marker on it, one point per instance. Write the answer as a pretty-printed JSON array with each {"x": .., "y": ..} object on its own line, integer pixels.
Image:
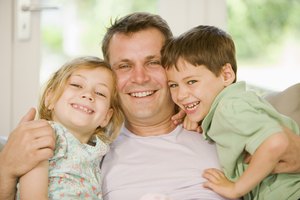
[
  {"x": 263, "y": 161},
  {"x": 34, "y": 184}
]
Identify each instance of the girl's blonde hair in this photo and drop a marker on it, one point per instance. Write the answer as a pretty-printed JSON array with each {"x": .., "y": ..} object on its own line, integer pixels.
[{"x": 57, "y": 83}]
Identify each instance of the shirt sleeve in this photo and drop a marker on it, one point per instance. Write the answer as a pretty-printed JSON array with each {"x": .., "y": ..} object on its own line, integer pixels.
[
  {"x": 249, "y": 123},
  {"x": 60, "y": 143}
]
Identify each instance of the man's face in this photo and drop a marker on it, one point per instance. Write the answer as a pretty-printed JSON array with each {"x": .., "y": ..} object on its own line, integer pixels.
[{"x": 142, "y": 83}]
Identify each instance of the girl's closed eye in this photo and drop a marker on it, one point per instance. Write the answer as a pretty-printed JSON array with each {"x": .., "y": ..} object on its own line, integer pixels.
[
  {"x": 99, "y": 93},
  {"x": 76, "y": 85}
]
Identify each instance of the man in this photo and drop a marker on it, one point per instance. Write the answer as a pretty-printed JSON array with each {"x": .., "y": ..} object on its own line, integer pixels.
[
  {"x": 143, "y": 158},
  {"x": 148, "y": 107},
  {"x": 151, "y": 155}
]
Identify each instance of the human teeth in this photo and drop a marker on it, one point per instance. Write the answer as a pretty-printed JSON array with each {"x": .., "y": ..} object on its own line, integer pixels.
[
  {"x": 141, "y": 94},
  {"x": 192, "y": 105},
  {"x": 85, "y": 109}
]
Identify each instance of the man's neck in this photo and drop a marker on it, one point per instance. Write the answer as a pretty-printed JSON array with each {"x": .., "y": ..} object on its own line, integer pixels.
[{"x": 150, "y": 129}]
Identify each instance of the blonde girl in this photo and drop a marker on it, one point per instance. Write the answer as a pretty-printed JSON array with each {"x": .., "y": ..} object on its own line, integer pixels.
[{"x": 80, "y": 102}]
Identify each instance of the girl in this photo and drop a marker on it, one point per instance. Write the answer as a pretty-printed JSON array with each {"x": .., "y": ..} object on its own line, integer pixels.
[{"x": 81, "y": 104}]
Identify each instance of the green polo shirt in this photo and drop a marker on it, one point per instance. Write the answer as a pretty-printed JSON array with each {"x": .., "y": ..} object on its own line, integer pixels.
[{"x": 240, "y": 121}]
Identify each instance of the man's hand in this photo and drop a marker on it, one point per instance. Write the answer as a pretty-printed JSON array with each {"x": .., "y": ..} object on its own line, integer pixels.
[
  {"x": 290, "y": 161},
  {"x": 30, "y": 143}
]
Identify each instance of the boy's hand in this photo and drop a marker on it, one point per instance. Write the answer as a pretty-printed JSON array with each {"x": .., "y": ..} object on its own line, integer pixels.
[
  {"x": 218, "y": 182},
  {"x": 180, "y": 117}
]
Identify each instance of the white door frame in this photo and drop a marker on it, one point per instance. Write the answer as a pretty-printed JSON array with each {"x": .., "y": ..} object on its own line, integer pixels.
[{"x": 20, "y": 60}]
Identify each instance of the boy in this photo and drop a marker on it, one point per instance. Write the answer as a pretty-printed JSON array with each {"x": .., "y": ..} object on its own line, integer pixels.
[{"x": 201, "y": 71}]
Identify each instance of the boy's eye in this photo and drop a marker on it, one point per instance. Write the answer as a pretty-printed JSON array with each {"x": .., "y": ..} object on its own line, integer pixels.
[
  {"x": 191, "y": 82},
  {"x": 172, "y": 85}
]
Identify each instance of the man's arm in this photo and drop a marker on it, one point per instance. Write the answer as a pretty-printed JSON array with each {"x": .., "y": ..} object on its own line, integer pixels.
[
  {"x": 30, "y": 143},
  {"x": 287, "y": 102},
  {"x": 290, "y": 160}
]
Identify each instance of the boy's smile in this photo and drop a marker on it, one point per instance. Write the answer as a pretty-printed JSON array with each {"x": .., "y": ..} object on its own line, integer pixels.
[{"x": 194, "y": 88}]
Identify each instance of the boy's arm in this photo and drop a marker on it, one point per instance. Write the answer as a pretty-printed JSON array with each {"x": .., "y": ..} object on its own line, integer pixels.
[
  {"x": 290, "y": 160},
  {"x": 34, "y": 184},
  {"x": 261, "y": 165},
  {"x": 263, "y": 161}
]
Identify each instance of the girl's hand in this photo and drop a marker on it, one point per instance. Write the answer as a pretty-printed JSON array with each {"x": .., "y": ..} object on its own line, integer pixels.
[{"x": 218, "y": 182}]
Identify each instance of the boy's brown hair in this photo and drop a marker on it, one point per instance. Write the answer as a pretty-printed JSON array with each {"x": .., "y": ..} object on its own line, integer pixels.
[{"x": 202, "y": 45}]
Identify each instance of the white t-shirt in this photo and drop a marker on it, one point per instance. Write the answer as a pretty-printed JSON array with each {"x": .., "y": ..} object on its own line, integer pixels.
[{"x": 170, "y": 164}]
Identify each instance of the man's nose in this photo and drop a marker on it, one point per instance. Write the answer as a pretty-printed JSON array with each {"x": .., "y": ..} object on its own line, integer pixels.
[{"x": 140, "y": 75}]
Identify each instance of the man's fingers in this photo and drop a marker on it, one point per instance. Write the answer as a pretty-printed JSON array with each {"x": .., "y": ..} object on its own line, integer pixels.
[
  {"x": 29, "y": 116},
  {"x": 45, "y": 142},
  {"x": 44, "y": 154}
]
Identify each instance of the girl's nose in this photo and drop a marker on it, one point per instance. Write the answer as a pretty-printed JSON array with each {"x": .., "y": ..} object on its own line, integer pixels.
[{"x": 89, "y": 97}]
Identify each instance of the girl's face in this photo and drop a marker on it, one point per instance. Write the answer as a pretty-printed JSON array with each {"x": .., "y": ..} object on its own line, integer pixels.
[
  {"x": 85, "y": 102},
  {"x": 194, "y": 88}
]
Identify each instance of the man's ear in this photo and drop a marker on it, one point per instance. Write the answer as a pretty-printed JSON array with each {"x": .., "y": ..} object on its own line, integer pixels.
[{"x": 227, "y": 74}]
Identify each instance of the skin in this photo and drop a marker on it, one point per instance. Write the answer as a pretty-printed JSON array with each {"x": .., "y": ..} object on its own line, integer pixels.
[
  {"x": 194, "y": 89},
  {"x": 142, "y": 82},
  {"x": 32, "y": 142},
  {"x": 82, "y": 107},
  {"x": 83, "y": 103}
]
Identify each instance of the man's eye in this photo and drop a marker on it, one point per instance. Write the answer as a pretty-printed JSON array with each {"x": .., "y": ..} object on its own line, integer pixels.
[
  {"x": 154, "y": 62},
  {"x": 75, "y": 85},
  {"x": 191, "y": 82},
  {"x": 123, "y": 66}
]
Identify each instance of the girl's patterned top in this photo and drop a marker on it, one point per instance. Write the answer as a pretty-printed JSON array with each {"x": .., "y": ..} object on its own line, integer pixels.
[{"x": 74, "y": 170}]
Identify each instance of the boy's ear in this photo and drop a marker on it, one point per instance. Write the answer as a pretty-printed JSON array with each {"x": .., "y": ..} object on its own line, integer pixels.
[{"x": 227, "y": 74}]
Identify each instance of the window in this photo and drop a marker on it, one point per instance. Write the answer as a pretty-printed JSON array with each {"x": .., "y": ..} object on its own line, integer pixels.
[
  {"x": 266, "y": 35},
  {"x": 77, "y": 28}
]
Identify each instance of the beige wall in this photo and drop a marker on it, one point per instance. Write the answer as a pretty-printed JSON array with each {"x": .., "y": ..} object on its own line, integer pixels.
[{"x": 185, "y": 14}]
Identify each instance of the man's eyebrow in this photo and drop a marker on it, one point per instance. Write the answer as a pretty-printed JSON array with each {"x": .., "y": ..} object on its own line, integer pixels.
[{"x": 153, "y": 56}]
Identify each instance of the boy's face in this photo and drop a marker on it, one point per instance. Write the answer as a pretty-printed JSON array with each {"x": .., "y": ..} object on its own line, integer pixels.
[{"x": 194, "y": 88}]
